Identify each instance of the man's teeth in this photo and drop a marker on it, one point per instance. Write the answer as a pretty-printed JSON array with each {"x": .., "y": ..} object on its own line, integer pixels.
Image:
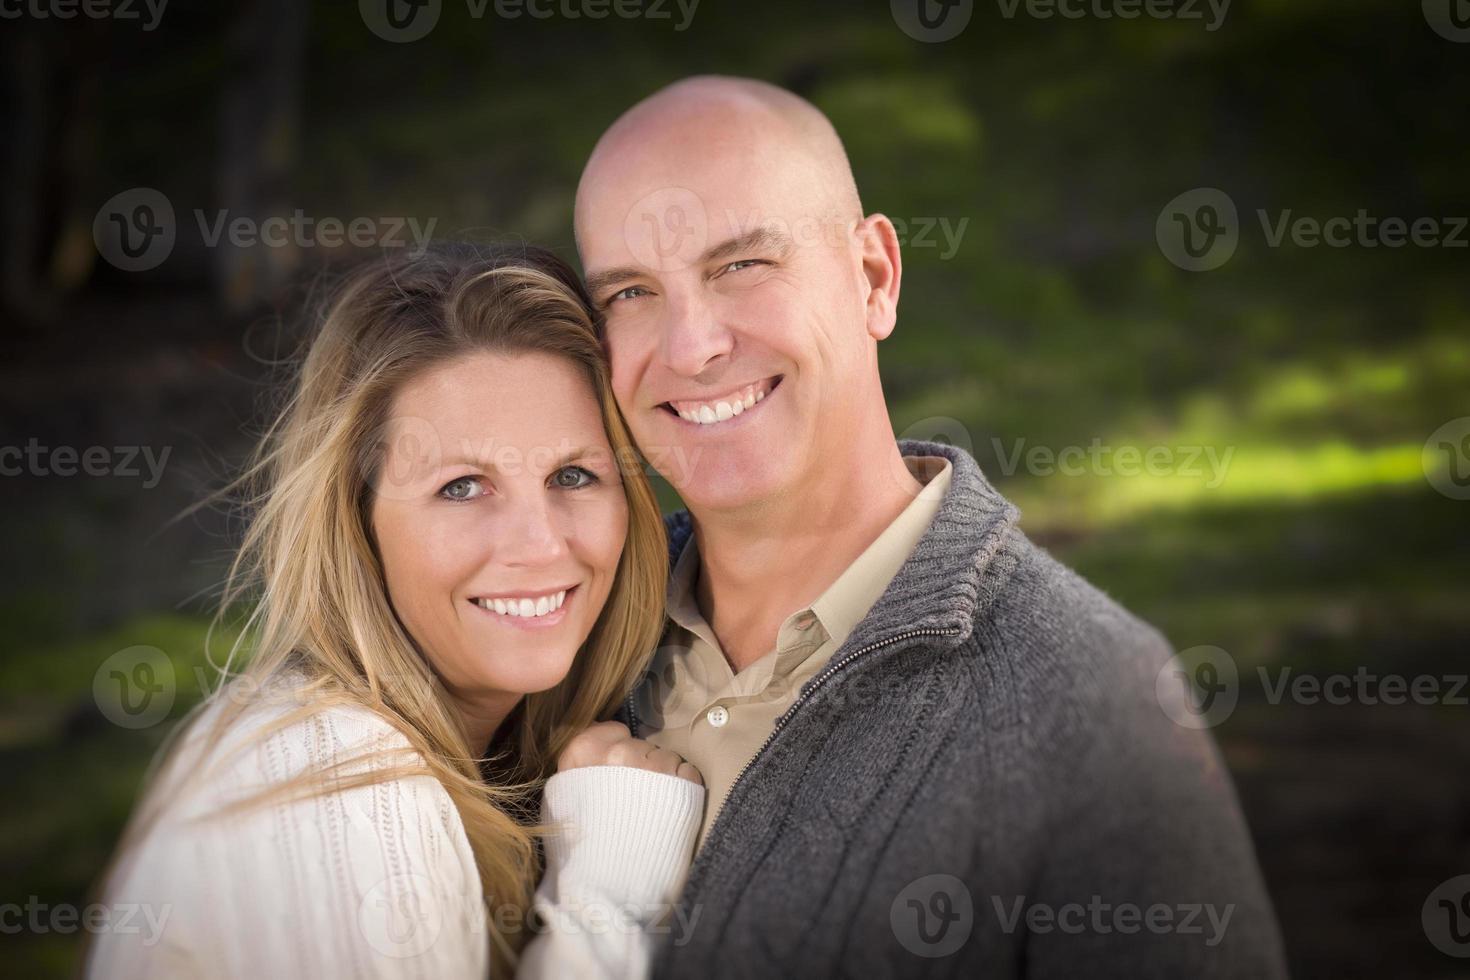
[
  {"x": 712, "y": 412},
  {"x": 529, "y": 608}
]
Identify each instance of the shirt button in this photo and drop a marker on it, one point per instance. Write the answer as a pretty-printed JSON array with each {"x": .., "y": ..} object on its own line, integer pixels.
[
  {"x": 804, "y": 621},
  {"x": 717, "y": 716}
]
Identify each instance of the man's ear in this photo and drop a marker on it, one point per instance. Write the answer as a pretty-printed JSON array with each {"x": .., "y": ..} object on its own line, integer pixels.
[{"x": 883, "y": 270}]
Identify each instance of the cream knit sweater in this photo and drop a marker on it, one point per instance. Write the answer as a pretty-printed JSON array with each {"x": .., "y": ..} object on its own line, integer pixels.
[{"x": 379, "y": 881}]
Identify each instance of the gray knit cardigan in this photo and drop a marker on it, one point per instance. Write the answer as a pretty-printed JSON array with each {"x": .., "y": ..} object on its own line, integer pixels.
[{"x": 981, "y": 783}]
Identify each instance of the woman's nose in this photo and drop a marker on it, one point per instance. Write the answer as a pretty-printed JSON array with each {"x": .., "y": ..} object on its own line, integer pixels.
[{"x": 530, "y": 534}]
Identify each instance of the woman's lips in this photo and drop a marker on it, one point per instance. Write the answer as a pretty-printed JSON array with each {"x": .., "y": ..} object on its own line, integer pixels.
[{"x": 547, "y": 621}]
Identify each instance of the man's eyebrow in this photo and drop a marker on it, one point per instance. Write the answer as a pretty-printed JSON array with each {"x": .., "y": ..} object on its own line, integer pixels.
[
  {"x": 758, "y": 240},
  {"x": 599, "y": 281},
  {"x": 770, "y": 240}
]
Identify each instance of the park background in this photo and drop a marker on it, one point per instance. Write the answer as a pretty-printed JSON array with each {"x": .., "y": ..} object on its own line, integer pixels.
[{"x": 1043, "y": 307}]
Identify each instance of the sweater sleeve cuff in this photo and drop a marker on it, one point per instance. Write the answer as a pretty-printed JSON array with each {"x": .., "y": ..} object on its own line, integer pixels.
[{"x": 619, "y": 834}]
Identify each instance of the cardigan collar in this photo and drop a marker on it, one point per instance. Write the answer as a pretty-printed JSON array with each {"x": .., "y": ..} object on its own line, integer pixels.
[{"x": 947, "y": 583}]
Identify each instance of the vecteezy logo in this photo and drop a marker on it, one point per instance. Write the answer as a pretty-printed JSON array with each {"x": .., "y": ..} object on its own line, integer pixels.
[
  {"x": 135, "y": 230},
  {"x": 668, "y": 229},
  {"x": 932, "y": 21},
  {"x": 406, "y": 450},
  {"x": 1456, "y": 454},
  {"x": 944, "y": 917},
  {"x": 1198, "y": 230},
  {"x": 400, "y": 21},
  {"x": 941, "y": 428},
  {"x": 1198, "y": 687},
  {"x": 1457, "y": 917},
  {"x": 1449, "y": 18},
  {"x": 933, "y": 916},
  {"x": 134, "y": 688},
  {"x": 936, "y": 428},
  {"x": 675, "y": 222},
  {"x": 401, "y": 916},
  {"x": 1446, "y": 917},
  {"x": 1446, "y": 459}
]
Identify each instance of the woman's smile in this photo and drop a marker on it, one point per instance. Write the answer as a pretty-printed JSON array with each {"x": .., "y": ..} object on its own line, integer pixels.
[{"x": 536, "y": 611}]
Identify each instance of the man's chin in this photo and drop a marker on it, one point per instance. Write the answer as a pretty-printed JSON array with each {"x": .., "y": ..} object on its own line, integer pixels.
[{"x": 734, "y": 487}]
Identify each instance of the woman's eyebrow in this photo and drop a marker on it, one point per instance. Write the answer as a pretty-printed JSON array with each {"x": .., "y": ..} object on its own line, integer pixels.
[{"x": 481, "y": 462}]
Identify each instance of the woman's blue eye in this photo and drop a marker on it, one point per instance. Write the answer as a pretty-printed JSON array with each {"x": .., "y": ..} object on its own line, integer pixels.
[
  {"x": 567, "y": 478},
  {"x": 462, "y": 489},
  {"x": 625, "y": 293},
  {"x": 574, "y": 472}
]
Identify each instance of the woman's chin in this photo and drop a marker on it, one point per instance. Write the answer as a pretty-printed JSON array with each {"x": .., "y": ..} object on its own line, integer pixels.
[{"x": 532, "y": 675}]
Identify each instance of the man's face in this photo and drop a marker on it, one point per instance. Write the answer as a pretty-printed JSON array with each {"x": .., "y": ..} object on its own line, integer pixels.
[{"x": 736, "y": 323}]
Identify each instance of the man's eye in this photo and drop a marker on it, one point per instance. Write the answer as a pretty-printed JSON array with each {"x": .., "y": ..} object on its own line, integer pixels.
[
  {"x": 630, "y": 293},
  {"x": 574, "y": 478},
  {"x": 465, "y": 488},
  {"x": 743, "y": 264}
]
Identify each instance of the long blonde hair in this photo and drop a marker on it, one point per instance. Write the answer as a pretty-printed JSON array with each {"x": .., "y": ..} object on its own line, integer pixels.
[{"x": 309, "y": 564}]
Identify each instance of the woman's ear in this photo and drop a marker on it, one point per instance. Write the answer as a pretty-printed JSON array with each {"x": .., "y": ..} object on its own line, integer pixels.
[{"x": 883, "y": 270}]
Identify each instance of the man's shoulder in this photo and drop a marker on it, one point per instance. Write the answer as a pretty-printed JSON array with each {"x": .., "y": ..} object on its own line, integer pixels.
[
  {"x": 678, "y": 525},
  {"x": 1062, "y": 639},
  {"x": 1055, "y": 599},
  {"x": 1073, "y": 675}
]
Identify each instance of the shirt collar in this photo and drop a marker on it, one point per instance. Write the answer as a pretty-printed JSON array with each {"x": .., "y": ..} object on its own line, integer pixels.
[
  {"x": 838, "y": 610},
  {"x": 848, "y": 599},
  {"x": 680, "y": 601},
  {"x": 959, "y": 565}
]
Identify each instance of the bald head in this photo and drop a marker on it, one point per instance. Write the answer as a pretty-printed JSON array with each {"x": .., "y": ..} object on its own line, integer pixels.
[
  {"x": 711, "y": 122},
  {"x": 743, "y": 294}
]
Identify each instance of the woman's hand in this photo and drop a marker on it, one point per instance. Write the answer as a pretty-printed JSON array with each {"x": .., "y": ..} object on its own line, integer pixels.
[
  {"x": 609, "y": 743},
  {"x": 617, "y": 853}
]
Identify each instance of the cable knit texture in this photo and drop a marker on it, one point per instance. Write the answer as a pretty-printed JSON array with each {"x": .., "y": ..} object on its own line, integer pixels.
[
  {"x": 604, "y": 816},
  {"x": 981, "y": 783},
  {"x": 613, "y": 871},
  {"x": 379, "y": 881}
]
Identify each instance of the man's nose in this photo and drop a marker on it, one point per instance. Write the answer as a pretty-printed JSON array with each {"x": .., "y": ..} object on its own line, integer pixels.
[{"x": 693, "y": 335}]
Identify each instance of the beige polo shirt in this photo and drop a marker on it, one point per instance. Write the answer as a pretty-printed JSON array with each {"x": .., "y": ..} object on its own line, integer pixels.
[{"x": 718, "y": 719}]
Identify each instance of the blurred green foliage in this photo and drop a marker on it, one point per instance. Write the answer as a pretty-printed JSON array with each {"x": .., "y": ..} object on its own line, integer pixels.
[{"x": 1055, "y": 322}]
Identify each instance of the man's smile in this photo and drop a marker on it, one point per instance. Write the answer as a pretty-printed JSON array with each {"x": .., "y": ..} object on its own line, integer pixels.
[{"x": 729, "y": 405}]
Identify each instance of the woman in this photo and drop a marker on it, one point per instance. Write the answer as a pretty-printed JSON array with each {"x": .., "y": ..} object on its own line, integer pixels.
[{"x": 457, "y": 568}]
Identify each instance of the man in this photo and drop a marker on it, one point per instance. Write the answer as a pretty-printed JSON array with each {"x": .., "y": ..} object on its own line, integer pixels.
[{"x": 928, "y": 747}]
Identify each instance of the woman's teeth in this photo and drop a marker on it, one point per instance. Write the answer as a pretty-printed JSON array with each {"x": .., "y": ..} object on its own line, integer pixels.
[{"x": 529, "y": 608}]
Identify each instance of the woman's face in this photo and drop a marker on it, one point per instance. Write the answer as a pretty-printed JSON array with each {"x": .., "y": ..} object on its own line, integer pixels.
[{"x": 500, "y": 520}]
